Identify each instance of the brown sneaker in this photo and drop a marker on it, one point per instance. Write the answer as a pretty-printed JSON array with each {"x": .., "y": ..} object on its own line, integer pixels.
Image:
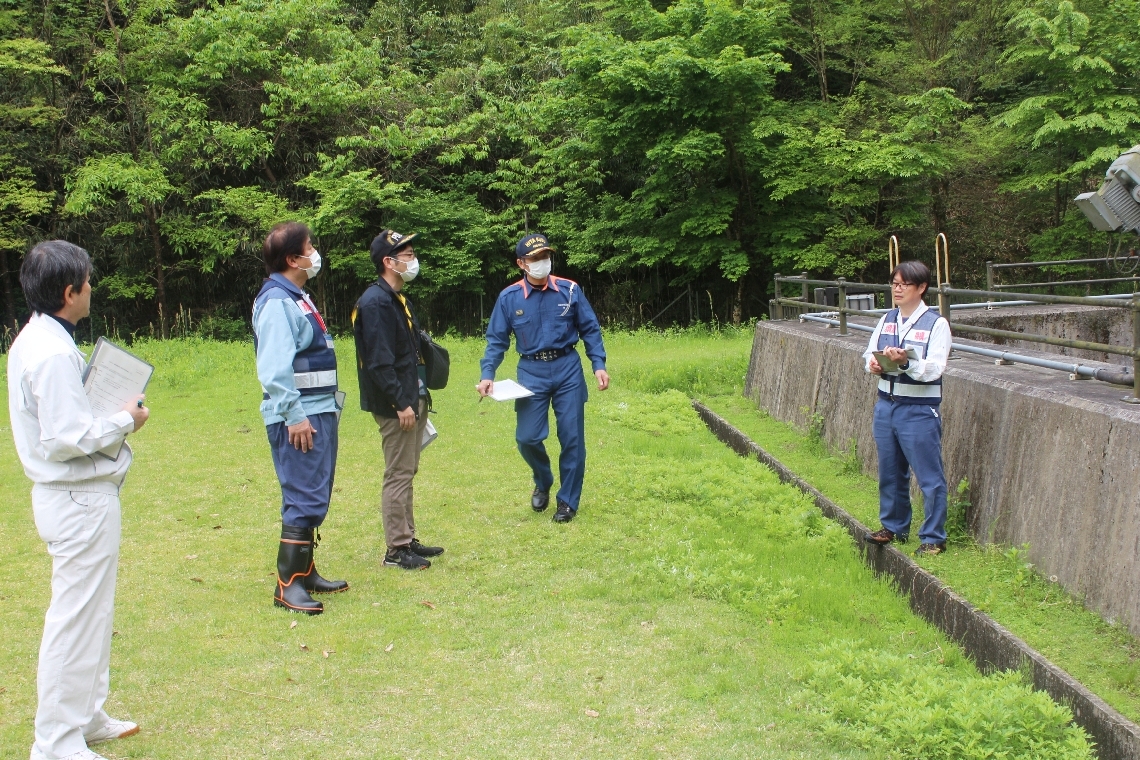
[
  {"x": 882, "y": 537},
  {"x": 929, "y": 550}
]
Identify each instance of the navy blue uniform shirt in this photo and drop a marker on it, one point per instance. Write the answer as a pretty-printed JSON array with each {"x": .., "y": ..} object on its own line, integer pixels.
[{"x": 543, "y": 319}]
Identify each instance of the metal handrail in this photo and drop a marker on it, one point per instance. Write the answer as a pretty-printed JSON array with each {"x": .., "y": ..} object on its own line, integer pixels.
[
  {"x": 1059, "y": 262},
  {"x": 945, "y": 293},
  {"x": 1065, "y": 282}
]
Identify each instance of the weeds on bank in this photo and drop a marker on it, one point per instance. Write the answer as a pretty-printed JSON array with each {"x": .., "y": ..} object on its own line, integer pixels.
[
  {"x": 999, "y": 580},
  {"x": 906, "y": 707}
]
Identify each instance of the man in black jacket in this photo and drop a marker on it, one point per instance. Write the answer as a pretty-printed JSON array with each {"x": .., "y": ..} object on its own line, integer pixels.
[{"x": 390, "y": 369}]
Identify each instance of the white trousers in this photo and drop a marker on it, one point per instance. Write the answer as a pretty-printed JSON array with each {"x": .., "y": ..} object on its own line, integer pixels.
[{"x": 82, "y": 533}]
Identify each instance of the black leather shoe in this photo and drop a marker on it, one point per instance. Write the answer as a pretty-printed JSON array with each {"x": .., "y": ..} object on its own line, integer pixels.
[
  {"x": 539, "y": 500},
  {"x": 564, "y": 514},
  {"x": 425, "y": 551},
  {"x": 294, "y": 558},
  {"x": 404, "y": 557},
  {"x": 314, "y": 583}
]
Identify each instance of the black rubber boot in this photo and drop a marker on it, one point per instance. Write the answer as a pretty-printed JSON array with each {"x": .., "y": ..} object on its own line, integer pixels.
[
  {"x": 314, "y": 583},
  {"x": 294, "y": 559}
]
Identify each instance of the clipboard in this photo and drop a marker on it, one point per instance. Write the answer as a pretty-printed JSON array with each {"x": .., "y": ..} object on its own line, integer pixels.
[
  {"x": 114, "y": 377},
  {"x": 890, "y": 365}
]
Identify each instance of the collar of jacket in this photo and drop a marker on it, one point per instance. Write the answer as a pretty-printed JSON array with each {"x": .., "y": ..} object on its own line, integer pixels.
[
  {"x": 286, "y": 283},
  {"x": 527, "y": 287}
]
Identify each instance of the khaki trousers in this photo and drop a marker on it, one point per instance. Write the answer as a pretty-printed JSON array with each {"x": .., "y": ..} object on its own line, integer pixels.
[{"x": 401, "y": 462}]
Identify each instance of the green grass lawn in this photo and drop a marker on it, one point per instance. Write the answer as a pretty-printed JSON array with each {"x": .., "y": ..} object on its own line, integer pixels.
[
  {"x": 696, "y": 608},
  {"x": 997, "y": 579}
]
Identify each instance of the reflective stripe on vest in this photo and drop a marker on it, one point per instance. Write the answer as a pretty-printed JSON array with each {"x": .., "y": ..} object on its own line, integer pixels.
[
  {"x": 899, "y": 385},
  {"x": 314, "y": 367}
]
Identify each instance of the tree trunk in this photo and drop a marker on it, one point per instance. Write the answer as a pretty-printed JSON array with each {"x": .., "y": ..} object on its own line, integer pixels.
[
  {"x": 737, "y": 302},
  {"x": 10, "y": 321},
  {"x": 159, "y": 271}
]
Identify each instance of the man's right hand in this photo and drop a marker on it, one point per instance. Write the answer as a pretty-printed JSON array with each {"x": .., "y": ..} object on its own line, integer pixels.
[
  {"x": 407, "y": 418},
  {"x": 140, "y": 414},
  {"x": 875, "y": 367},
  {"x": 485, "y": 387},
  {"x": 301, "y": 435}
]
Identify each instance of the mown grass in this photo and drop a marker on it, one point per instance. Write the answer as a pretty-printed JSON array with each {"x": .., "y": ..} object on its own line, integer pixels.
[
  {"x": 997, "y": 579},
  {"x": 685, "y": 613}
]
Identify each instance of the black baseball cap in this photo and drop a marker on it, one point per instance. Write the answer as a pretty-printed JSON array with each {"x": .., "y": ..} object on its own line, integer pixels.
[
  {"x": 387, "y": 243},
  {"x": 531, "y": 244}
]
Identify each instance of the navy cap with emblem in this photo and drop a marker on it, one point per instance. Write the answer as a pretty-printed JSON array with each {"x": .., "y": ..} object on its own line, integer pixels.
[
  {"x": 531, "y": 244},
  {"x": 387, "y": 243}
]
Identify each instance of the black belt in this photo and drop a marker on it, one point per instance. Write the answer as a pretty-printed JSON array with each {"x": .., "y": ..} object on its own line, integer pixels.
[{"x": 549, "y": 356}]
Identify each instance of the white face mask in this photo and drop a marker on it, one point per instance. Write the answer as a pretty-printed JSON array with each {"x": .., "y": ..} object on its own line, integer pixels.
[
  {"x": 412, "y": 269},
  {"x": 314, "y": 265},
  {"x": 539, "y": 270}
]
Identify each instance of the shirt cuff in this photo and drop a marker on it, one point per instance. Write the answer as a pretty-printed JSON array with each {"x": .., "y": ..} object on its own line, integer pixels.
[
  {"x": 597, "y": 365},
  {"x": 486, "y": 376},
  {"x": 295, "y": 416},
  {"x": 124, "y": 420}
]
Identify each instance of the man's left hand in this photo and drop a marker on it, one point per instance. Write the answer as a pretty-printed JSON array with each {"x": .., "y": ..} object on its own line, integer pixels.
[
  {"x": 897, "y": 355},
  {"x": 603, "y": 379}
]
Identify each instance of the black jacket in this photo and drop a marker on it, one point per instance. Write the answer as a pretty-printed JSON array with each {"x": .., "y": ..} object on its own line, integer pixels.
[{"x": 387, "y": 353}]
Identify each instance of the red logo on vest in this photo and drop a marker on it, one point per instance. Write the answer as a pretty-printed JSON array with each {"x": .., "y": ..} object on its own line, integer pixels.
[{"x": 890, "y": 328}]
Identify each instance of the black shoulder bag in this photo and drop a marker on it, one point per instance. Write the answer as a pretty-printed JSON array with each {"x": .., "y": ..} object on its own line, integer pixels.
[{"x": 437, "y": 362}]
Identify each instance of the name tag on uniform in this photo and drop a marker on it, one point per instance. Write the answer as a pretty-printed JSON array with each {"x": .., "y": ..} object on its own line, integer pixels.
[
  {"x": 921, "y": 335},
  {"x": 890, "y": 328}
]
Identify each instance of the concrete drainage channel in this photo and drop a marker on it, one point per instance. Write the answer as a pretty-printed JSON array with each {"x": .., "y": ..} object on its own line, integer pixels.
[{"x": 991, "y": 646}]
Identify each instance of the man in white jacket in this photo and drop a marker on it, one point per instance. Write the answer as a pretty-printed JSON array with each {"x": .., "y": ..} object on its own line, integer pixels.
[{"x": 68, "y": 454}]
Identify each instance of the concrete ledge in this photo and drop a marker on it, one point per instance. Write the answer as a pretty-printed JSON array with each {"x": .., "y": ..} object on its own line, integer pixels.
[
  {"x": 990, "y": 645},
  {"x": 1051, "y": 462}
]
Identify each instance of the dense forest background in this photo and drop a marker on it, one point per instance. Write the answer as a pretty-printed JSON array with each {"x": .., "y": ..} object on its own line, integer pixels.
[{"x": 677, "y": 154}]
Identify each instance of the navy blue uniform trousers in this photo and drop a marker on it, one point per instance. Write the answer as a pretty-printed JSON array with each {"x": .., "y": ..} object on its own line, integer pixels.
[
  {"x": 561, "y": 384},
  {"x": 909, "y": 437},
  {"x": 306, "y": 478}
]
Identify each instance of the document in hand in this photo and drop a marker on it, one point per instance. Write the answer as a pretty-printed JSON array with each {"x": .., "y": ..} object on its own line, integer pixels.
[
  {"x": 888, "y": 364},
  {"x": 113, "y": 378},
  {"x": 508, "y": 390}
]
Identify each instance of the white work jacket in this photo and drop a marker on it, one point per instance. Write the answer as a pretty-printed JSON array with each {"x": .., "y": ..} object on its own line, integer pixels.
[{"x": 57, "y": 436}]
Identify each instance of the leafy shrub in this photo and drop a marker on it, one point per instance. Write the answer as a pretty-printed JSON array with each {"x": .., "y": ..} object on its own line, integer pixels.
[
  {"x": 897, "y": 707},
  {"x": 958, "y": 515}
]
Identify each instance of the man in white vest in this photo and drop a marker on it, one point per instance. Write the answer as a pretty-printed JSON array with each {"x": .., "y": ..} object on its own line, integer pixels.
[
  {"x": 916, "y": 342},
  {"x": 77, "y": 463}
]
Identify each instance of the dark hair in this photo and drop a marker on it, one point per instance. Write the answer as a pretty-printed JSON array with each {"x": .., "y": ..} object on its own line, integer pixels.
[
  {"x": 284, "y": 240},
  {"x": 913, "y": 273},
  {"x": 47, "y": 271}
]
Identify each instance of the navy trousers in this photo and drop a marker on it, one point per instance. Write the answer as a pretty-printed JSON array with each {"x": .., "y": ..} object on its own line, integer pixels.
[
  {"x": 561, "y": 384},
  {"x": 909, "y": 437},
  {"x": 306, "y": 478}
]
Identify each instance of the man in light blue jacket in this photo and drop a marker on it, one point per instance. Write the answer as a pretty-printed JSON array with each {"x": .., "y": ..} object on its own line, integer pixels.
[{"x": 297, "y": 369}]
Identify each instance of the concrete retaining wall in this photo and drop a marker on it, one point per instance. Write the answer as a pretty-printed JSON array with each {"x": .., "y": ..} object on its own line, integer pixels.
[
  {"x": 1046, "y": 466},
  {"x": 1091, "y": 323},
  {"x": 989, "y": 644}
]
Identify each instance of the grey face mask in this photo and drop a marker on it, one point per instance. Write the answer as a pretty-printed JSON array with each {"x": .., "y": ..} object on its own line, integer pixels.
[{"x": 539, "y": 270}]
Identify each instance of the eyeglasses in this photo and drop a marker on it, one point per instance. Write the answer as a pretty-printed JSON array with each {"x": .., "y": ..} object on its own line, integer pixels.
[{"x": 900, "y": 285}]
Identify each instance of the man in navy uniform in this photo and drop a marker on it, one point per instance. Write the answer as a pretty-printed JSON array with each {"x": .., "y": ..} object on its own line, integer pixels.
[{"x": 547, "y": 314}]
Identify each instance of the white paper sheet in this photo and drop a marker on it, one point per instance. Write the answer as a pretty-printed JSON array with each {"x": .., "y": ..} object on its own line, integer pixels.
[
  {"x": 114, "y": 377},
  {"x": 509, "y": 390},
  {"x": 430, "y": 435}
]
